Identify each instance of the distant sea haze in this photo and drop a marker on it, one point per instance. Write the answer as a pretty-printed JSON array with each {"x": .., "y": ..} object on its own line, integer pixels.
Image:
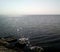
[{"x": 42, "y": 30}]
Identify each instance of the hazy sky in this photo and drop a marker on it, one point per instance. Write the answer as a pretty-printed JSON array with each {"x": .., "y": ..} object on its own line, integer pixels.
[{"x": 22, "y": 7}]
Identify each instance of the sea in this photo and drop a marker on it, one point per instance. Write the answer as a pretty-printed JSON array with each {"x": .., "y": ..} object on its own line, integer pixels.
[{"x": 42, "y": 30}]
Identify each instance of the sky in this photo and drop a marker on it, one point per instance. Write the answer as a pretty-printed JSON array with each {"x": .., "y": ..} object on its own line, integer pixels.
[{"x": 26, "y": 7}]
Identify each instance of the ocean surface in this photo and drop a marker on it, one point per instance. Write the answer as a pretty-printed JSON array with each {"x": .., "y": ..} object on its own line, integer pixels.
[{"x": 42, "y": 30}]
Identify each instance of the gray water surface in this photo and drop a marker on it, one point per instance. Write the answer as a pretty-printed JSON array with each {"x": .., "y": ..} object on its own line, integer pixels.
[{"x": 43, "y": 30}]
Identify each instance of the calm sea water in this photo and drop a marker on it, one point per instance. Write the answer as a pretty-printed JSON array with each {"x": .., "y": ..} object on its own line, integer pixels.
[{"x": 42, "y": 30}]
